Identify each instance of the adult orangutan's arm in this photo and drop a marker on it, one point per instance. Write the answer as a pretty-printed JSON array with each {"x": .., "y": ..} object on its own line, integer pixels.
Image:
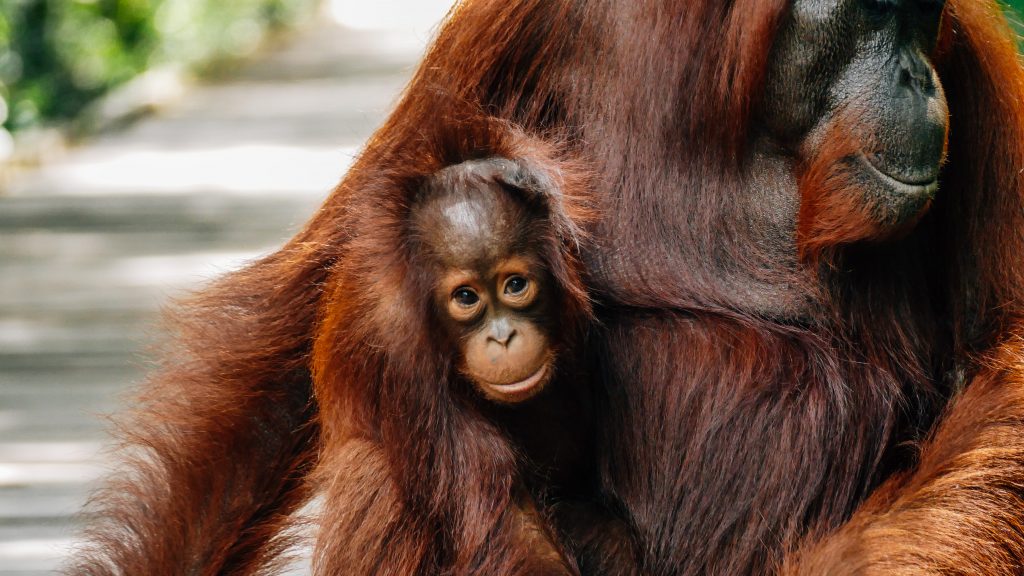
[{"x": 961, "y": 511}]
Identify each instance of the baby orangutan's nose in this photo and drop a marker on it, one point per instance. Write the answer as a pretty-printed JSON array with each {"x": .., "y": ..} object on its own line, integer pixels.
[{"x": 501, "y": 333}]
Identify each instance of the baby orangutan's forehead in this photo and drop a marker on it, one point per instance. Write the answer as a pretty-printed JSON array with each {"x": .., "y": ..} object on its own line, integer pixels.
[{"x": 467, "y": 229}]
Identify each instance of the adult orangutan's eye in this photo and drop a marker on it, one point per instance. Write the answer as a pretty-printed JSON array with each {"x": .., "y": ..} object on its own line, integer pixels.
[{"x": 880, "y": 10}]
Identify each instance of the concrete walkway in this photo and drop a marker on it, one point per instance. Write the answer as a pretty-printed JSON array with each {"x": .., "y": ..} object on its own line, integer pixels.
[{"x": 92, "y": 246}]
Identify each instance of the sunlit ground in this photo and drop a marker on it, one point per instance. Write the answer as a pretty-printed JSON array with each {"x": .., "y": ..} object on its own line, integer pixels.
[{"x": 235, "y": 169}]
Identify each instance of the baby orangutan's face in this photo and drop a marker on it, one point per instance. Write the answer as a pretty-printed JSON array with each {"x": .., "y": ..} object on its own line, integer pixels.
[
  {"x": 505, "y": 350},
  {"x": 493, "y": 292}
]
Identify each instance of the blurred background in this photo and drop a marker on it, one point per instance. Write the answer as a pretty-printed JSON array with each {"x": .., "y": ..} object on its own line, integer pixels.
[{"x": 147, "y": 146}]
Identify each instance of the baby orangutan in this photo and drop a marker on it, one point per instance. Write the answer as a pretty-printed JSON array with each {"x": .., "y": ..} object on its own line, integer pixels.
[
  {"x": 507, "y": 293},
  {"x": 462, "y": 433}
]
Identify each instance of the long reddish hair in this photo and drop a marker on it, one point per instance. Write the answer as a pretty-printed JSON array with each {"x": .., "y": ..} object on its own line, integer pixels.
[{"x": 657, "y": 99}]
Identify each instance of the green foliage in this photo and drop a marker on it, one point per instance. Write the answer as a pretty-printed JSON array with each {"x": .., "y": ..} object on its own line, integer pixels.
[
  {"x": 1016, "y": 15},
  {"x": 56, "y": 56}
]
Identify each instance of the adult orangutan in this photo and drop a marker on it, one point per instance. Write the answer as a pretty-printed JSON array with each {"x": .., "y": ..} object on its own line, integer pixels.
[{"x": 810, "y": 287}]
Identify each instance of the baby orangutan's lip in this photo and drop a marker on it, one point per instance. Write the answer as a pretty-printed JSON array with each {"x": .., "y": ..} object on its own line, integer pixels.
[{"x": 526, "y": 384}]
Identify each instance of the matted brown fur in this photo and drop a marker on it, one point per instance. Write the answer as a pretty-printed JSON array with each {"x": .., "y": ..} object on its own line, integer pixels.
[{"x": 731, "y": 436}]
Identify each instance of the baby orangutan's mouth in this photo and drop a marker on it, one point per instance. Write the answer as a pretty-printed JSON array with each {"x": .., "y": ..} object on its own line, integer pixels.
[
  {"x": 519, "y": 390},
  {"x": 526, "y": 383}
]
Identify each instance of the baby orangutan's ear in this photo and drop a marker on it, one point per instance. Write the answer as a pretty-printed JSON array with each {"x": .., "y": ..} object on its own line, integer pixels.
[
  {"x": 540, "y": 184},
  {"x": 529, "y": 179}
]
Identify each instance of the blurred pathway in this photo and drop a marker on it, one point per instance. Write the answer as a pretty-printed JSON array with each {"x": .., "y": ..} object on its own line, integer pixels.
[{"x": 92, "y": 246}]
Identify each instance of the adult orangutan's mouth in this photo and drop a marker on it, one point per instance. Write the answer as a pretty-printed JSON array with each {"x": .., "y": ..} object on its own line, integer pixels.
[{"x": 925, "y": 185}]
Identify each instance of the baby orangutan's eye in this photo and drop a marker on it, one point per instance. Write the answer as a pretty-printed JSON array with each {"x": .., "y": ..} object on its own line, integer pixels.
[
  {"x": 465, "y": 297},
  {"x": 516, "y": 285},
  {"x": 518, "y": 291}
]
